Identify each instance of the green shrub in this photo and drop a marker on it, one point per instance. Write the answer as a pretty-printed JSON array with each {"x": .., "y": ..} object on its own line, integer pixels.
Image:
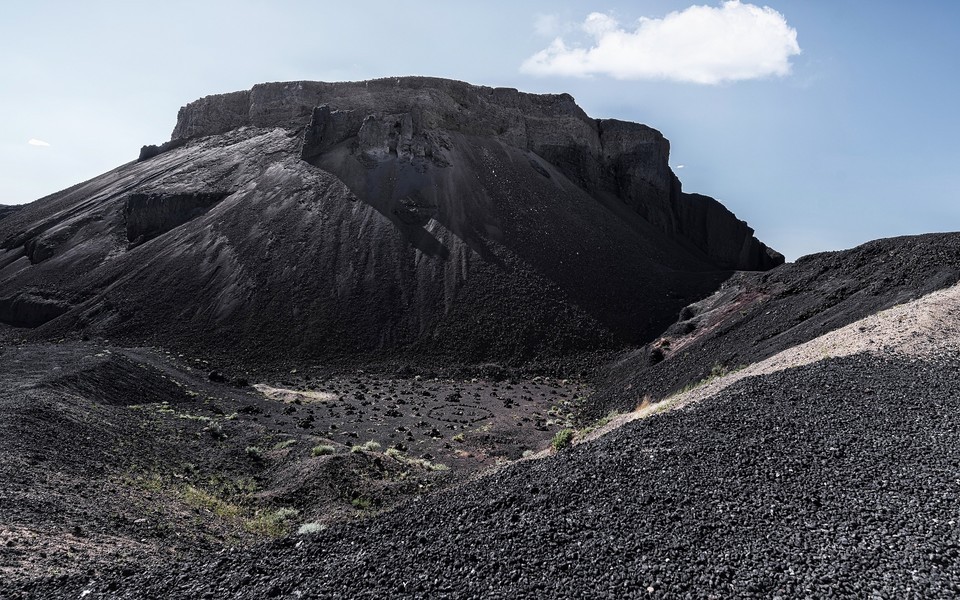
[
  {"x": 215, "y": 430},
  {"x": 562, "y": 440},
  {"x": 361, "y": 503},
  {"x": 717, "y": 370}
]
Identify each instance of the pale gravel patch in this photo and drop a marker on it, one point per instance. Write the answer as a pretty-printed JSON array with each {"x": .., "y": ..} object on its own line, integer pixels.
[
  {"x": 288, "y": 396},
  {"x": 919, "y": 328},
  {"x": 54, "y": 551}
]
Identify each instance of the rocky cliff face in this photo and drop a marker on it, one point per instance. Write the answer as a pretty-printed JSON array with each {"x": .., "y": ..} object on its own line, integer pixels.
[
  {"x": 404, "y": 217},
  {"x": 410, "y": 116}
]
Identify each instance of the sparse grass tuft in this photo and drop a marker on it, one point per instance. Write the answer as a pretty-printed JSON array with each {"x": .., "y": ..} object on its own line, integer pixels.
[
  {"x": 371, "y": 446},
  {"x": 605, "y": 420},
  {"x": 562, "y": 439},
  {"x": 310, "y": 528},
  {"x": 272, "y": 523},
  {"x": 254, "y": 452},
  {"x": 284, "y": 444},
  {"x": 645, "y": 402},
  {"x": 716, "y": 372},
  {"x": 202, "y": 500},
  {"x": 215, "y": 430},
  {"x": 322, "y": 450},
  {"x": 151, "y": 482},
  {"x": 599, "y": 423},
  {"x": 416, "y": 462},
  {"x": 190, "y": 417},
  {"x": 361, "y": 503}
]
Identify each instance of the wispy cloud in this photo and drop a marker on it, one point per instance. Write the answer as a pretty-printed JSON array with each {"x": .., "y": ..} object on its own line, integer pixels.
[
  {"x": 552, "y": 25},
  {"x": 701, "y": 44},
  {"x": 36, "y": 142},
  {"x": 547, "y": 25}
]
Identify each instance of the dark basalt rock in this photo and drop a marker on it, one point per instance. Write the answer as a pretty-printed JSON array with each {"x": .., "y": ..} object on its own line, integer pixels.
[
  {"x": 150, "y": 150},
  {"x": 31, "y": 308},
  {"x": 328, "y": 128},
  {"x": 150, "y": 215}
]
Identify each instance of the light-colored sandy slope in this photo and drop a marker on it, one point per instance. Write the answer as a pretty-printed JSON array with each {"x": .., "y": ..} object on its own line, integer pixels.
[
  {"x": 923, "y": 327},
  {"x": 287, "y": 396}
]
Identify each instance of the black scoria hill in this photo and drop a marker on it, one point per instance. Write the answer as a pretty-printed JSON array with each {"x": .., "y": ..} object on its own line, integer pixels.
[
  {"x": 436, "y": 222},
  {"x": 6, "y": 210},
  {"x": 755, "y": 315},
  {"x": 414, "y": 217}
]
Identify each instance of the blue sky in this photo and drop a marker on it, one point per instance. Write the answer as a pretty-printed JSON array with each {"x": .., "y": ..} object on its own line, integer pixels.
[{"x": 853, "y": 138}]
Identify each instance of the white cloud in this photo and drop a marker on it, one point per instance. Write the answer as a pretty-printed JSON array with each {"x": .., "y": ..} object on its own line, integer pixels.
[
  {"x": 679, "y": 166},
  {"x": 36, "y": 142},
  {"x": 700, "y": 44}
]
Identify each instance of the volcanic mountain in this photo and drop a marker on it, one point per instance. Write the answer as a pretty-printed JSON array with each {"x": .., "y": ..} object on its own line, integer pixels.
[
  {"x": 409, "y": 217},
  {"x": 758, "y": 430},
  {"x": 818, "y": 458}
]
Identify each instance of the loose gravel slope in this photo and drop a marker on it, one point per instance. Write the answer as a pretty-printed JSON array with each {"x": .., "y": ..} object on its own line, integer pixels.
[
  {"x": 757, "y": 315},
  {"x": 835, "y": 477}
]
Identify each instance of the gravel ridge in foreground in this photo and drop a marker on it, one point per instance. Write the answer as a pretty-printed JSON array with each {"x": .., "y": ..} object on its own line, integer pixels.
[
  {"x": 836, "y": 478},
  {"x": 757, "y": 315}
]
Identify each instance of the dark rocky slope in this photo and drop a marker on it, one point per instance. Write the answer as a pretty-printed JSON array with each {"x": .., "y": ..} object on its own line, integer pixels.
[
  {"x": 7, "y": 209},
  {"x": 415, "y": 217},
  {"x": 756, "y": 315},
  {"x": 113, "y": 456},
  {"x": 834, "y": 479}
]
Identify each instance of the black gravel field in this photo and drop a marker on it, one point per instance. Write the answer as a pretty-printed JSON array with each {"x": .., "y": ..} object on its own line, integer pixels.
[{"x": 835, "y": 479}]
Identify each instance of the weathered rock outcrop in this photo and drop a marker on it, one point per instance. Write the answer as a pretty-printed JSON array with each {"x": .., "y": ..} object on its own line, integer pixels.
[
  {"x": 149, "y": 215},
  {"x": 411, "y": 115},
  {"x": 31, "y": 308}
]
